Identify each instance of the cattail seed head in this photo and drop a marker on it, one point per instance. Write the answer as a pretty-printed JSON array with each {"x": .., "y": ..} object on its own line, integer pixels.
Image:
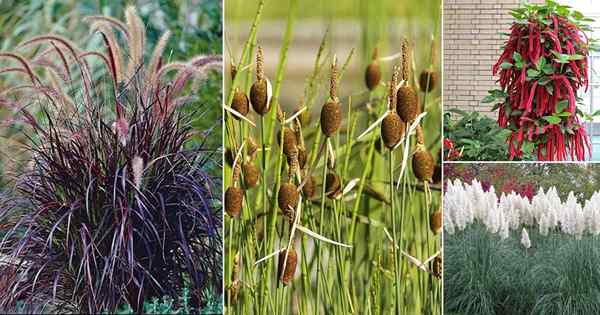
[
  {"x": 251, "y": 174},
  {"x": 310, "y": 187},
  {"x": 240, "y": 103},
  {"x": 288, "y": 197},
  {"x": 422, "y": 164},
  {"x": 425, "y": 77},
  {"x": 331, "y": 118},
  {"x": 392, "y": 130},
  {"x": 373, "y": 72},
  {"x": 437, "y": 267},
  {"x": 229, "y": 157},
  {"x": 333, "y": 187},
  {"x": 286, "y": 276},
  {"x": 407, "y": 103},
  {"x": 234, "y": 197},
  {"x": 290, "y": 146},
  {"x": 435, "y": 222},
  {"x": 251, "y": 147},
  {"x": 259, "y": 92},
  {"x": 302, "y": 158},
  {"x": 258, "y": 97}
]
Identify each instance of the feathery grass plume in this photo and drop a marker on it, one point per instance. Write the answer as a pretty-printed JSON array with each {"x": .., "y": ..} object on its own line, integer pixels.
[
  {"x": 116, "y": 207},
  {"x": 525, "y": 239}
]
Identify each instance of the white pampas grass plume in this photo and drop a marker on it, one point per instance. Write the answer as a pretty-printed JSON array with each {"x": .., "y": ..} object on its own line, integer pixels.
[
  {"x": 525, "y": 239},
  {"x": 137, "y": 167}
]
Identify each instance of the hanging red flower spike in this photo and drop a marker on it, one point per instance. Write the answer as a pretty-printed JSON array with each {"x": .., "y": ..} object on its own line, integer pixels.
[{"x": 543, "y": 65}]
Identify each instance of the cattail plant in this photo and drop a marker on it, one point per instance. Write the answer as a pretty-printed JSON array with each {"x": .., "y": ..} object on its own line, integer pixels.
[
  {"x": 312, "y": 228},
  {"x": 116, "y": 206}
]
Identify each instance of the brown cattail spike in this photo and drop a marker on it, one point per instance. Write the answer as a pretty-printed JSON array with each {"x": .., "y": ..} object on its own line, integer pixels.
[
  {"x": 407, "y": 103},
  {"x": 331, "y": 113},
  {"x": 290, "y": 146},
  {"x": 333, "y": 186},
  {"x": 437, "y": 174},
  {"x": 373, "y": 72},
  {"x": 435, "y": 222},
  {"x": 286, "y": 276},
  {"x": 422, "y": 164},
  {"x": 437, "y": 267},
  {"x": 331, "y": 118},
  {"x": 392, "y": 126},
  {"x": 228, "y": 157},
  {"x": 234, "y": 197},
  {"x": 251, "y": 174},
  {"x": 288, "y": 198},
  {"x": 427, "y": 80},
  {"x": 259, "y": 90},
  {"x": 302, "y": 158},
  {"x": 240, "y": 103},
  {"x": 392, "y": 130}
]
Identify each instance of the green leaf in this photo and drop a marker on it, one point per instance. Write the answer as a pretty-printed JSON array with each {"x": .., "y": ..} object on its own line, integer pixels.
[
  {"x": 506, "y": 65},
  {"x": 562, "y": 105},
  {"x": 532, "y": 73},
  {"x": 548, "y": 69},
  {"x": 552, "y": 120},
  {"x": 488, "y": 99},
  {"x": 517, "y": 57},
  {"x": 541, "y": 63},
  {"x": 563, "y": 114}
]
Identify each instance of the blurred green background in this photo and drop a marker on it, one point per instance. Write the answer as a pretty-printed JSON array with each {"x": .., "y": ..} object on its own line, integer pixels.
[{"x": 196, "y": 27}]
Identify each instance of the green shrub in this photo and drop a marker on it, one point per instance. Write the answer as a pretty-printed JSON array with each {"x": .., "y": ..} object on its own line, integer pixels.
[{"x": 479, "y": 137}]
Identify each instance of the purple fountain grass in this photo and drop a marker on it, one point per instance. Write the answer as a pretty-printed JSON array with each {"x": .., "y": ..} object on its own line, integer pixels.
[{"x": 114, "y": 207}]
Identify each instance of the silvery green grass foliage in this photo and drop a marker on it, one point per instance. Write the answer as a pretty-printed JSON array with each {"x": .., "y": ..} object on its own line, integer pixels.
[
  {"x": 113, "y": 207},
  {"x": 509, "y": 255}
]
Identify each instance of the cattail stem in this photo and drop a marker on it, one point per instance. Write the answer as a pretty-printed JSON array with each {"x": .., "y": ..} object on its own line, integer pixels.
[{"x": 397, "y": 265}]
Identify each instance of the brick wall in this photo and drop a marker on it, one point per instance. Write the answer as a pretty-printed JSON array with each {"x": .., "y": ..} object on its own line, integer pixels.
[{"x": 472, "y": 44}]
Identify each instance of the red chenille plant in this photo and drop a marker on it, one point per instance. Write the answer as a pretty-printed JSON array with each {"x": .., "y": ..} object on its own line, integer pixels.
[{"x": 543, "y": 65}]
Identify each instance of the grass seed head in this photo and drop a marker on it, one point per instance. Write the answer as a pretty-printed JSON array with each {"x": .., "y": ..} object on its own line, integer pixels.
[
  {"x": 251, "y": 174},
  {"x": 407, "y": 103},
  {"x": 234, "y": 197},
  {"x": 423, "y": 80},
  {"x": 435, "y": 222},
  {"x": 288, "y": 197},
  {"x": 422, "y": 164},
  {"x": 240, "y": 103},
  {"x": 286, "y": 276},
  {"x": 333, "y": 185}
]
